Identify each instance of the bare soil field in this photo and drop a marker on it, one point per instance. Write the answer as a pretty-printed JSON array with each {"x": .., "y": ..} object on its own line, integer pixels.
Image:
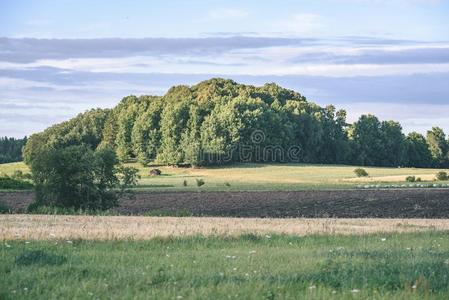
[
  {"x": 399, "y": 203},
  {"x": 47, "y": 227}
]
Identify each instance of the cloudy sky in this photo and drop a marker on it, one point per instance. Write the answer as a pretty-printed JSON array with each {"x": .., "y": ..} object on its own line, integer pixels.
[{"x": 387, "y": 57}]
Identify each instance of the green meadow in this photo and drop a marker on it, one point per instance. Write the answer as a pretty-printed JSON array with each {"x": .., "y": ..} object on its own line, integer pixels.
[
  {"x": 380, "y": 266},
  {"x": 261, "y": 177}
]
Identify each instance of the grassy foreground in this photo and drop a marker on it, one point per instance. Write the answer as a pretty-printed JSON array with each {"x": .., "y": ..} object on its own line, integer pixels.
[
  {"x": 381, "y": 266},
  {"x": 264, "y": 177}
]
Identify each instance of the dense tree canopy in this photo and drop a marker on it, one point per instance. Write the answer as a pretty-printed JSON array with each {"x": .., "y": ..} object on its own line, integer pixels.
[
  {"x": 11, "y": 149},
  {"x": 219, "y": 121}
]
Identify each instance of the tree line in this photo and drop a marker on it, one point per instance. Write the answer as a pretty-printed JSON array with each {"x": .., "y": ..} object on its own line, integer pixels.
[
  {"x": 11, "y": 149},
  {"x": 218, "y": 117}
]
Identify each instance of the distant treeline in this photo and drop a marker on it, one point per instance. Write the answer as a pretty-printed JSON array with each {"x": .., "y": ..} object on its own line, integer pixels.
[
  {"x": 11, "y": 149},
  {"x": 219, "y": 121}
]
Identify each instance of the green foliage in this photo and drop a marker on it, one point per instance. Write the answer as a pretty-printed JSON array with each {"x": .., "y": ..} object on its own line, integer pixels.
[
  {"x": 438, "y": 146},
  {"x": 410, "y": 179},
  {"x": 184, "y": 183},
  {"x": 359, "y": 172},
  {"x": 376, "y": 143},
  {"x": 85, "y": 129},
  {"x": 79, "y": 178},
  {"x": 200, "y": 182},
  {"x": 442, "y": 176},
  {"x": 13, "y": 183},
  {"x": 214, "y": 123},
  {"x": 417, "y": 151},
  {"x": 11, "y": 149}
]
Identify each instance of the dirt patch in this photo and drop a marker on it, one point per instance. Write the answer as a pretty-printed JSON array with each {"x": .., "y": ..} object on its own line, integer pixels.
[{"x": 399, "y": 203}]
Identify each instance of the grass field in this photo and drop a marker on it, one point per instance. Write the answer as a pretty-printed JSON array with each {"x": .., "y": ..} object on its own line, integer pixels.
[
  {"x": 250, "y": 177},
  {"x": 376, "y": 266},
  {"x": 37, "y": 227}
]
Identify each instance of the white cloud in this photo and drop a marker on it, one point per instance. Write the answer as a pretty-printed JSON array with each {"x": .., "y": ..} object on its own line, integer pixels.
[
  {"x": 300, "y": 24},
  {"x": 413, "y": 117},
  {"x": 282, "y": 60}
]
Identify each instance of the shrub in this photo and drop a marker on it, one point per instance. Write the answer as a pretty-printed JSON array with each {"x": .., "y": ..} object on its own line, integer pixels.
[
  {"x": 227, "y": 184},
  {"x": 184, "y": 183},
  {"x": 418, "y": 179},
  {"x": 359, "y": 172},
  {"x": 9, "y": 183},
  {"x": 410, "y": 179},
  {"x": 442, "y": 176},
  {"x": 78, "y": 177},
  {"x": 155, "y": 172},
  {"x": 200, "y": 182}
]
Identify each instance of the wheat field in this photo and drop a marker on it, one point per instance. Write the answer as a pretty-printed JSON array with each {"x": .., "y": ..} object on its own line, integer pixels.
[{"x": 45, "y": 227}]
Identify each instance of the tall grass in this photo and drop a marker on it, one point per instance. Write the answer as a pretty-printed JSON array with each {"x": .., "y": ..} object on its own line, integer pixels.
[{"x": 382, "y": 266}]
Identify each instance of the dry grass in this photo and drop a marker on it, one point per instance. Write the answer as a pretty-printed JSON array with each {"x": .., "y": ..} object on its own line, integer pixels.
[{"x": 45, "y": 227}]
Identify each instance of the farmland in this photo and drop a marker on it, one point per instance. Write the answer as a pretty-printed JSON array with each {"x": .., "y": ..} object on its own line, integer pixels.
[
  {"x": 279, "y": 259},
  {"x": 264, "y": 177}
]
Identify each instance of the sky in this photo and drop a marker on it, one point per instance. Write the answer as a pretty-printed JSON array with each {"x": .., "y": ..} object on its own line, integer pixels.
[{"x": 60, "y": 58}]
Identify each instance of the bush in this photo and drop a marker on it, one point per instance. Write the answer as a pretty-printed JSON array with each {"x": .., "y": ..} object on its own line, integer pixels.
[
  {"x": 78, "y": 177},
  {"x": 418, "y": 179},
  {"x": 9, "y": 183},
  {"x": 155, "y": 172},
  {"x": 200, "y": 182},
  {"x": 442, "y": 176},
  {"x": 359, "y": 172},
  {"x": 410, "y": 179},
  {"x": 227, "y": 184},
  {"x": 184, "y": 183}
]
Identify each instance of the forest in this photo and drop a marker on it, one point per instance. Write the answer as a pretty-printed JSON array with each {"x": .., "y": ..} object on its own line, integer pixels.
[
  {"x": 215, "y": 121},
  {"x": 11, "y": 149}
]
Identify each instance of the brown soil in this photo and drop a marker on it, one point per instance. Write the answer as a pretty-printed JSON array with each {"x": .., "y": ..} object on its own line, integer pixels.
[{"x": 400, "y": 203}]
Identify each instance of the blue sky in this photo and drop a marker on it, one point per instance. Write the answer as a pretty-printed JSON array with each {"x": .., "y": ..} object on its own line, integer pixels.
[{"x": 58, "y": 58}]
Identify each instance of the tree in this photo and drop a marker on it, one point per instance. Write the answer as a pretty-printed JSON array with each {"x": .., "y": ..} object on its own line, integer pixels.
[
  {"x": 78, "y": 177},
  {"x": 393, "y": 145},
  {"x": 11, "y": 149},
  {"x": 367, "y": 140},
  {"x": 216, "y": 119},
  {"x": 418, "y": 153},
  {"x": 438, "y": 146}
]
